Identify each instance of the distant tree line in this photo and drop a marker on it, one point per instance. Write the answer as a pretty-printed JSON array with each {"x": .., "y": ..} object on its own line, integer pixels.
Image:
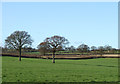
[
  {"x": 82, "y": 49},
  {"x": 21, "y": 42}
]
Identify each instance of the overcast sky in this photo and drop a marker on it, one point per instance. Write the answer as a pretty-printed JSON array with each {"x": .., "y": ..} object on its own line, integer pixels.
[{"x": 91, "y": 23}]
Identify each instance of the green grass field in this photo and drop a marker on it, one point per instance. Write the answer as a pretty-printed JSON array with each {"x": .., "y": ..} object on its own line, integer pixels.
[{"x": 43, "y": 70}]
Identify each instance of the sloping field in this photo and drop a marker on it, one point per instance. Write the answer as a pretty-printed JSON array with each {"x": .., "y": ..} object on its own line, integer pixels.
[
  {"x": 66, "y": 56},
  {"x": 43, "y": 70},
  {"x": 83, "y": 56}
]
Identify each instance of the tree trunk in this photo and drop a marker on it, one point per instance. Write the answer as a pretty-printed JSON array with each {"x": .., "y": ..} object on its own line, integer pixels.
[
  {"x": 19, "y": 53},
  {"x": 101, "y": 53},
  {"x": 53, "y": 56},
  {"x": 44, "y": 52}
]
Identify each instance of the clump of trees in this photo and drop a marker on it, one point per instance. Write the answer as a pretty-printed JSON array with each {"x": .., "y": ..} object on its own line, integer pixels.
[
  {"x": 101, "y": 50},
  {"x": 28, "y": 49},
  {"x": 83, "y": 48},
  {"x": 70, "y": 49},
  {"x": 53, "y": 44},
  {"x": 93, "y": 49},
  {"x": 43, "y": 48},
  {"x": 17, "y": 40}
]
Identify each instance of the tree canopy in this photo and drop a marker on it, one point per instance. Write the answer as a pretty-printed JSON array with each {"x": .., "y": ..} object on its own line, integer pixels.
[{"x": 17, "y": 40}]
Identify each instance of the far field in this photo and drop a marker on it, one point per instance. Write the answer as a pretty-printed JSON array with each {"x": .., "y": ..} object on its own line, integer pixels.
[{"x": 43, "y": 70}]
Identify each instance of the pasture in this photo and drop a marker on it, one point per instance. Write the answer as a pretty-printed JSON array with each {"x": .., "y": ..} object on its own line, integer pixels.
[{"x": 43, "y": 70}]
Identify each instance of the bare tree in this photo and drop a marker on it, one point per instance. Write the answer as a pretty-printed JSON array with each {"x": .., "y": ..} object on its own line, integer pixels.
[
  {"x": 114, "y": 50},
  {"x": 83, "y": 48},
  {"x": 101, "y": 50},
  {"x": 18, "y": 40},
  {"x": 43, "y": 48},
  {"x": 71, "y": 48},
  {"x": 55, "y": 42},
  {"x": 108, "y": 48},
  {"x": 93, "y": 49}
]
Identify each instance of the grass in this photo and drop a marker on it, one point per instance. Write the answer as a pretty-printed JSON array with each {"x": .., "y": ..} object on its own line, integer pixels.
[
  {"x": 43, "y": 70},
  {"x": 31, "y": 53}
]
